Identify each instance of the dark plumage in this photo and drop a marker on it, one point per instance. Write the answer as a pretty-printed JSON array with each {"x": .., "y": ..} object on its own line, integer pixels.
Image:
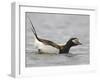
[{"x": 69, "y": 44}]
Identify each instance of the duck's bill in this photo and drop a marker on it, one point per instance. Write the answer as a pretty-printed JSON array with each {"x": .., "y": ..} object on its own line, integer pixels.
[{"x": 79, "y": 43}]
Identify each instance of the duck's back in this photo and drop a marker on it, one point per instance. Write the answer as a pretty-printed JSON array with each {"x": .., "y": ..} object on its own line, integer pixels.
[{"x": 47, "y": 46}]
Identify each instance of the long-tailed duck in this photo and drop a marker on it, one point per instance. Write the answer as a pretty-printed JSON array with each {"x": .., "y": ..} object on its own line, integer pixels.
[{"x": 47, "y": 46}]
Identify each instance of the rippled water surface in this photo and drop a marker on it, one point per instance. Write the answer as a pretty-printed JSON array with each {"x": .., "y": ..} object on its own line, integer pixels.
[{"x": 58, "y": 28}]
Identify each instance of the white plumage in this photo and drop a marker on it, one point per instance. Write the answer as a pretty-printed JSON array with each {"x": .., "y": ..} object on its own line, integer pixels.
[{"x": 45, "y": 48}]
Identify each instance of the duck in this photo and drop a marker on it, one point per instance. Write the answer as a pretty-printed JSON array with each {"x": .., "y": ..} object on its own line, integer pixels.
[{"x": 47, "y": 46}]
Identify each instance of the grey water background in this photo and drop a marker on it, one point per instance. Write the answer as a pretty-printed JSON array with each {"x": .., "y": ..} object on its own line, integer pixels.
[{"x": 58, "y": 28}]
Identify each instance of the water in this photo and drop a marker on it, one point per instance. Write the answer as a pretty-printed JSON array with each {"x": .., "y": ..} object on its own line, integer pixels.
[{"x": 58, "y": 28}]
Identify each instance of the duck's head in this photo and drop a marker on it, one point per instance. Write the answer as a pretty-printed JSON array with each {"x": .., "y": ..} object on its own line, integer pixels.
[
  {"x": 73, "y": 42},
  {"x": 70, "y": 43}
]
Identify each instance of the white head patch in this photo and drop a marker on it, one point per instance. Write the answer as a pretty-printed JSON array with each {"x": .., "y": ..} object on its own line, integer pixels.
[{"x": 76, "y": 41}]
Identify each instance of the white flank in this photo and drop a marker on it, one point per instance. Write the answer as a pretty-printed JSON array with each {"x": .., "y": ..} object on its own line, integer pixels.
[{"x": 46, "y": 48}]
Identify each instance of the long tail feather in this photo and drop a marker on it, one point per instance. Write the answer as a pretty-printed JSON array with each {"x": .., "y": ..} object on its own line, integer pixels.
[{"x": 32, "y": 28}]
